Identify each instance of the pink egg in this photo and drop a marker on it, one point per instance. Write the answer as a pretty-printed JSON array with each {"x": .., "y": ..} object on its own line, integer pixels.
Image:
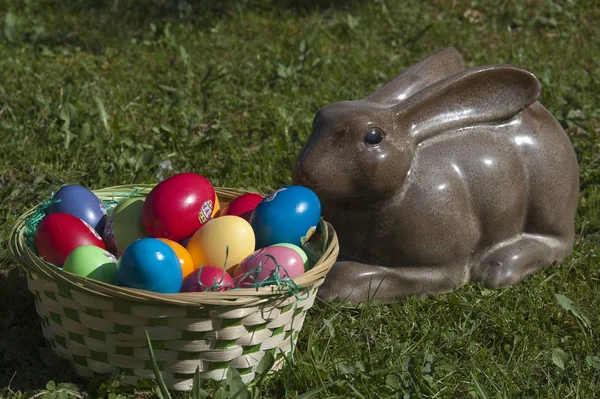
[
  {"x": 207, "y": 278},
  {"x": 264, "y": 263}
]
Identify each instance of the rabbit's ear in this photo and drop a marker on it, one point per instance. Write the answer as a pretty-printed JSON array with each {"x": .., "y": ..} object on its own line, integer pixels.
[
  {"x": 492, "y": 93},
  {"x": 434, "y": 67}
]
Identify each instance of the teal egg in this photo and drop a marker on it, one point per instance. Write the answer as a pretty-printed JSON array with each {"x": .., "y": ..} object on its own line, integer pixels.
[{"x": 150, "y": 264}]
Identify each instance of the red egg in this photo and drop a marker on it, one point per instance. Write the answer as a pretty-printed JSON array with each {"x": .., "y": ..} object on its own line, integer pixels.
[
  {"x": 178, "y": 206},
  {"x": 243, "y": 205},
  {"x": 60, "y": 233},
  {"x": 207, "y": 278}
]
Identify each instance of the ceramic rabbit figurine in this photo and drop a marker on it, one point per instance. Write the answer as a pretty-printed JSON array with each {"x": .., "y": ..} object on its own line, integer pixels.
[{"x": 443, "y": 176}]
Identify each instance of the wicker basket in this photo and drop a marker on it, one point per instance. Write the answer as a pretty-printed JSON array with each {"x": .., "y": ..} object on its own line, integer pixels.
[{"x": 101, "y": 328}]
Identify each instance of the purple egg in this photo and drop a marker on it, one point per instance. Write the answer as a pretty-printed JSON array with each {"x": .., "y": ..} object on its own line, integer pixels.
[{"x": 80, "y": 202}]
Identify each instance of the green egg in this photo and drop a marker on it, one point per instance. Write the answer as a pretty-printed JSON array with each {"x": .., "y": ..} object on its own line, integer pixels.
[
  {"x": 124, "y": 225},
  {"x": 92, "y": 262},
  {"x": 297, "y": 249}
]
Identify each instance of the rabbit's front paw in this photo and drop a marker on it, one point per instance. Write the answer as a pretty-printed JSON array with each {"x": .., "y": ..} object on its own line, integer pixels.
[{"x": 353, "y": 282}]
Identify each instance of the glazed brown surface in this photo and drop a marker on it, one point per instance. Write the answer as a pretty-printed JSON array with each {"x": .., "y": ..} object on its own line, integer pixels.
[{"x": 443, "y": 176}]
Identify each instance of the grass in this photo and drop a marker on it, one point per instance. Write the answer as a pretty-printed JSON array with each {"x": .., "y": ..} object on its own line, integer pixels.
[{"x": 106, "y": 93}]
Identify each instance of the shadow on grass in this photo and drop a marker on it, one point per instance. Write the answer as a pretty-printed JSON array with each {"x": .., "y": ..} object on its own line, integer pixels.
[
  {"x": 25, "y": 361},
  {"x": 182, "y": 8},
  {"x": 93, "y": 25}
]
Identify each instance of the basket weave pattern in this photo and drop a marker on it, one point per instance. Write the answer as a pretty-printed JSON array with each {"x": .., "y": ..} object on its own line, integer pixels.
[{"x": 101, "y": 328}]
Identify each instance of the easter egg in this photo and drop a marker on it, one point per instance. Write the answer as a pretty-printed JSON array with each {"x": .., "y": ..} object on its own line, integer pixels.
[
  {"x": 60, "y": 233},
  {"x": 217, "y": 208},
  {"x": 243, "y": 205},
  {"x": 185, "y": 259},
  {"x": 288, "y": 215},
  {"x": 80, "y": 202},
  {"x": 222, "y": 242},
  {"x": 297, "y": 249},
  {"x": 269, "y": 263},
  {"x": 150, "y": 264},
  {"x": 185, "y": 241},
  {"x": 124, "y": 225},
  {"x": 208, "y": 278},
  {"x": 92, "y": 262},
  {"x": 178, "y": 206}
]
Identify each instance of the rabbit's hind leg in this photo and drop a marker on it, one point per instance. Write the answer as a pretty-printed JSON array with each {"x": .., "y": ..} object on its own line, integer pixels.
[
  {"x": 509, "y": 262},
  {"x": 356, "y": 282}
]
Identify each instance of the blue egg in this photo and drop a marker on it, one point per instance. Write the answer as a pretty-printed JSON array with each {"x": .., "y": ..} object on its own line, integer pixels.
[
  {"x": 288, "y": 215},
  {"x": 150, "y": 264},
  {"x": 80, "y": 202}
]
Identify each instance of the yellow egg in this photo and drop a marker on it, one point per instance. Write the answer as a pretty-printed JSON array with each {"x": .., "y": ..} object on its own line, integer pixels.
[{"x": 222, "y": 242}]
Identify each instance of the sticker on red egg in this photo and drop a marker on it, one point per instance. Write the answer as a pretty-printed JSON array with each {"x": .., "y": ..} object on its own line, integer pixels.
[
  {"x": 270, "y": 197},
  {"x": 205, "y": 211}
]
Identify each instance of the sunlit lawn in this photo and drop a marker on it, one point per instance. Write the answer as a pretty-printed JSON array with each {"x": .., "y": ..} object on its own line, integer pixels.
[{"x": 130, "y": 92}]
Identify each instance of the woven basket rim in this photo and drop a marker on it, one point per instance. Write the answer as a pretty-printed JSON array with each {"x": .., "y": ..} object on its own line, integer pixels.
[{"x": 39, "y": 268}]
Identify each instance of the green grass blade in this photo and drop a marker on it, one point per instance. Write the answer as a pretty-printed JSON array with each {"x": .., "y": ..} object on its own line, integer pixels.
[
  {"x": 265, "y": 364},
  {"x": 235, "y": 383},
  {"x": 314, "y": 391},
  {"x": 161, "y": 383},
  {"x": 103, "y": 114},
  {"x": 478, "y": 389},
  {"x": 197, "y": 392}
]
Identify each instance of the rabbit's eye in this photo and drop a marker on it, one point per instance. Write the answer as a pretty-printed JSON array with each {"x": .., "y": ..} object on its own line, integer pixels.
[{"x": 373, "y": 136}]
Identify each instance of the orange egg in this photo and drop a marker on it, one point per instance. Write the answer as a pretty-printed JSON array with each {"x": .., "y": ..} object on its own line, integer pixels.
[
  {"x": 217, "y": 207},
  {"x": 185, "y": 259},
  {"x": 224, "y": 210}
]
